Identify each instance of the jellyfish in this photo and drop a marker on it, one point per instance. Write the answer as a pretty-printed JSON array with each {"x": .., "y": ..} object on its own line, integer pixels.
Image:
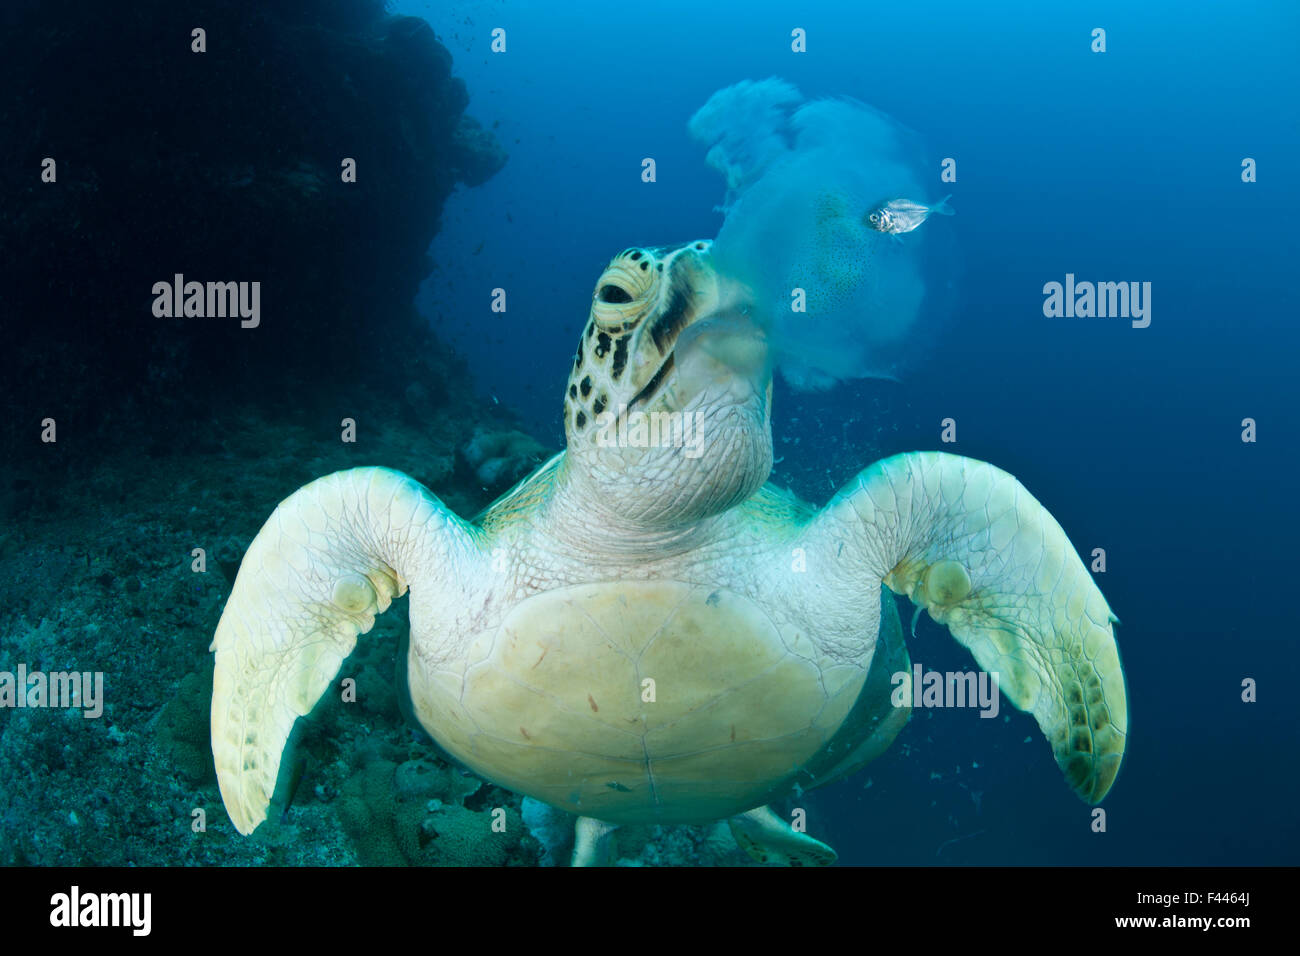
[{"x": 836, "y": 298}]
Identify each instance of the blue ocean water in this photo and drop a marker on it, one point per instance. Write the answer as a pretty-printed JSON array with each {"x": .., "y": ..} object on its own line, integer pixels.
[{"x": 1123, "y": 165}]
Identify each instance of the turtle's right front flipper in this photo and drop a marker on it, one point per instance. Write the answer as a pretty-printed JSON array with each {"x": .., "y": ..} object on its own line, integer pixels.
[{"x": 332, "y": 555}]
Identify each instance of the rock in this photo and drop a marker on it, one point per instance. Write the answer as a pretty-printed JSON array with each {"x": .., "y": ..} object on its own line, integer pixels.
[
  {"x": 243, "y": 167},
  {"x": 500, "y": 458},
  {"x": 477, "y": 155}
]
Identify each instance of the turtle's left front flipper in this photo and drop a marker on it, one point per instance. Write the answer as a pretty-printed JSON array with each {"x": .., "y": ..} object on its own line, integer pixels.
[
  {"x": 967, "y": 542},
  {"x": 332, "y": 555}
]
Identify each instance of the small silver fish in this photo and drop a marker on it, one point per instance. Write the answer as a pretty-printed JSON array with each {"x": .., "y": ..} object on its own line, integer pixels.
[{"x": 898, "y": 216}]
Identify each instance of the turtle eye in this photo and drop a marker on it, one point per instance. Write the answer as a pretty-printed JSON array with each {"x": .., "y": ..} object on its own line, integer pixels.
[{"x": 614, "y": 294}]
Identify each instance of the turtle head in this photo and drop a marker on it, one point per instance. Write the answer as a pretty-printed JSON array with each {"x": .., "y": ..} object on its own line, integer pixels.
[{"x": 667, "y": 412}]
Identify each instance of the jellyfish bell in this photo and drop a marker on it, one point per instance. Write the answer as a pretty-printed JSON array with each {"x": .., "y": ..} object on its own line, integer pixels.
[
  {"x": 729, "y": 348},
  {"x": 839, "y": 297}
]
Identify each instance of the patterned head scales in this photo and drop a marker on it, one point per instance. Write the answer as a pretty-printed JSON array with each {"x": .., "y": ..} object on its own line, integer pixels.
[
  {"x": 644, "y": 299},
  {"x": 660, "y": 343}
]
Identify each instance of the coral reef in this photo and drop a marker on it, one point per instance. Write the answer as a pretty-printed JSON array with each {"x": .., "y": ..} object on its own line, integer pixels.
[
  {"x": 552, "y": 828},
  {"x": 499, "y": 458},
  {"x": 97, "y": 573},
  {"x": 222, "y": 166},
  {"x": 413, "y": 813},
  {"x": 706, "y": 845},
  {"x": 183, "y": 729},
  {"x": 384, "y": 824}
]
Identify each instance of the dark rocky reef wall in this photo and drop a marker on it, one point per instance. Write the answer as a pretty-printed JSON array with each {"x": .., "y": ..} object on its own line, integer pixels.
[{"x": 223, "y": 166}]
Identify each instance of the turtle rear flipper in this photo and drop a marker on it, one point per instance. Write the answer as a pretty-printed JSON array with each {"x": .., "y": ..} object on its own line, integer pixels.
[
  {"x": 593, "y": 842},
  {"x": 769, "y": 840}
]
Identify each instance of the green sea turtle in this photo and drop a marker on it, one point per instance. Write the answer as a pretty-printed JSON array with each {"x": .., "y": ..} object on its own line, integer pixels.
[{"x": 644, "y": 630}]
